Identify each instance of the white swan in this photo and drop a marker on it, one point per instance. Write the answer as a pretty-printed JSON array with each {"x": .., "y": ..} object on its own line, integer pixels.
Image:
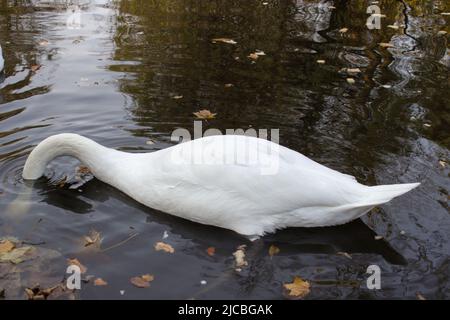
[
  {"x": 2, "y": 61},
  {"x": 191, "y": 180}
]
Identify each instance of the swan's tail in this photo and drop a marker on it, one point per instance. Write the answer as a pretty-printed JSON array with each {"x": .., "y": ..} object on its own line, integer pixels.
[{"x": 384, "y": 193}]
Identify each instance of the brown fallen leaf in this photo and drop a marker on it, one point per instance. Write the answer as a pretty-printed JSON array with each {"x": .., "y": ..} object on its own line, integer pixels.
[
  {"x": 100, "y": 282},
  {"x": 273, "y": 250},
  {"x": 211, "y": 251},
  {"x": 35, "y": 67},
  {"x": 6, "y": 246},
  {"x": 142, "y": 281},
  {"x": 253, "y": 56},
  {"x": 93, "y": 238},
  {"x": 164, "y": 247},
  {"x": 224, "y": 40},
  {"x": 36, "y": 293},
  {"x": 83, "y": 170},
  {"x": 83, "y": 269},
  {"x": 61, "y": 183},
  {"x": 205, "y": 114},
  {"x": 299, "y": 288}
]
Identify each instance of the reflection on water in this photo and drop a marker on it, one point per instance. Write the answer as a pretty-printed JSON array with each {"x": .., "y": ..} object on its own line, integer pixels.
[{"x": 114, "y": 77}]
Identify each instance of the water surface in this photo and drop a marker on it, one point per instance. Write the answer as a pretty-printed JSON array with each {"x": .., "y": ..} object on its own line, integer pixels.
[{"x": 114, "y": 77}]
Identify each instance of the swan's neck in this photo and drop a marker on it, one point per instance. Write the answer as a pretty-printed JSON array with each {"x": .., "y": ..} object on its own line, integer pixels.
[{"x": 99, "y": 159}]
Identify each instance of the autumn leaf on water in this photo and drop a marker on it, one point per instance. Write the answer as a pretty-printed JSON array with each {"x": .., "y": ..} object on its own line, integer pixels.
[
  {"x": 350, "y": 81},
  {"x": 100, "y": 282},
  {"x": 224, "y": 40},
  {"x": 343, "y": 30},
  {"x": 177, "y": 97},
  {"x": 83, "y": 269},
  {"x": 142, "y": 281},
  {"x": 35, "y": 67},
  {"x": 273, "y": 250},
  {"x": 6, "y": 246},
  {"x": 83, "y": 170},
  {"x": 164, "y": 247},
  {"x": 93, "y": 238},
  {"x": 36, "y": 293},
  {"x": 386, "y": 45},
  {"x": 239, "y": 256},
  {"x": 299, "y": 288},
  {"x": 320, "y": 61},
  {"x": 211, "y": 251},
  {"x": 205, "y": 114}
]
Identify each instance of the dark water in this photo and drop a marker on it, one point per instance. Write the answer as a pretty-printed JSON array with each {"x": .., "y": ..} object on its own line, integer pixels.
[{"x": 114, "y": 80}]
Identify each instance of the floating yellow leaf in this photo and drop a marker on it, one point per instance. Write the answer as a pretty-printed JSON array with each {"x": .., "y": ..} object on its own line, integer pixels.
[
  {"x": 343, "y": 30},
  {"x": 142, "y": 281},
  {"x": 100, "y": 282},
  {"x": 205, "y": 114},
  {"x": 211, "y": 251},
  {"x": 83, "y": 269},
  {"x": 386, "y": 45},
  {"x": 320, "y": 61},
  {"x": 6, "y": 246},
  {"x": 393, "y": 26},
  {"x": 273, "y": 250},
  {"x": 224, "y": 40},
  {"x": 350, "y": 81},
  {"x": 442, "y": 32},
  {"x": 299, "y": 288},
  {"x": 177, "y": 97},
  {"x": 164, "y": 247}
]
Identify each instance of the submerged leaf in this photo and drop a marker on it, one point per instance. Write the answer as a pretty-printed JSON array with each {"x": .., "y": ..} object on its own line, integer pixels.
[
  {"x": 164, "y": 247},
  {"x": 299, "y": 288},
  {"x": 16, "y": 255},
  {"x": 6, "y": 246},
  {"x": 273, "y": 250}
]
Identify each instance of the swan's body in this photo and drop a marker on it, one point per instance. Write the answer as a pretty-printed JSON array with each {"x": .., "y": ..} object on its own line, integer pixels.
[
  {"x": 2, "y": 61},
  {"x": 208, "y": 190}
]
